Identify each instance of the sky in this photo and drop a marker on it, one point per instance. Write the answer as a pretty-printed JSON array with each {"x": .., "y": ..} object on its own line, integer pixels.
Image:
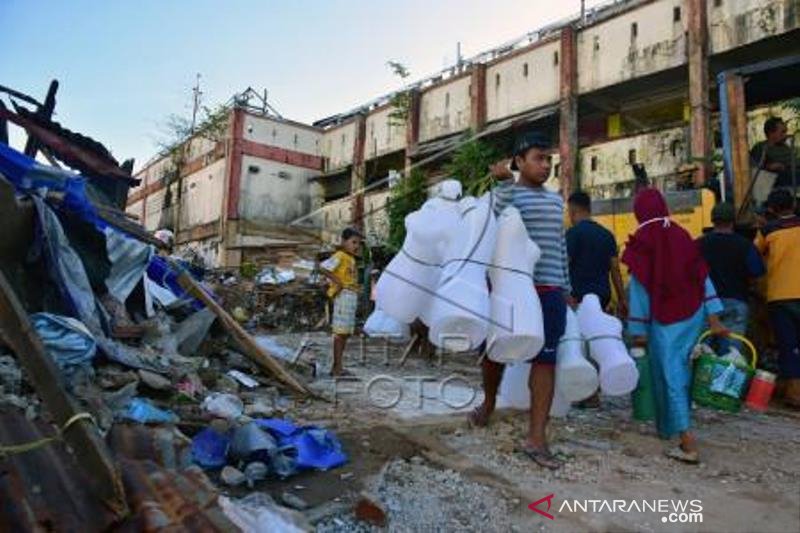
[{"x": 124, "y": 66}]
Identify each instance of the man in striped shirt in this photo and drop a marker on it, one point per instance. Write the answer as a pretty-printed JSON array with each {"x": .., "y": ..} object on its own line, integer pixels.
[{"x": 542, "y": 213}]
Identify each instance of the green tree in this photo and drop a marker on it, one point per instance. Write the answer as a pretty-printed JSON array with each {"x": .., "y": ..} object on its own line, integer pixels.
[
  {"x": 470, "y": 165},
  {"x": 406, "y": 196}
]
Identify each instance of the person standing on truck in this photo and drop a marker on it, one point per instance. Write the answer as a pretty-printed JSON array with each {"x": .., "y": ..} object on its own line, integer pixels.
[
  {"x": 774, "y": 154},
  {"x": 779, "y": 243},
  {"x": 733, "y": 263}
]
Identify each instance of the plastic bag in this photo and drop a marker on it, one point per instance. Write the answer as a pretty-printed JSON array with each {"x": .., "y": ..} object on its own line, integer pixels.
[
  {"x": 141, "y": 410},
  {"x": 223, "y": 405},
  {"x": 210, "y": 448}
]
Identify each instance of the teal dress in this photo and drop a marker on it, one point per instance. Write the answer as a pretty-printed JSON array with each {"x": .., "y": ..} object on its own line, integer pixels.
[{"x": 669, "y": 347}]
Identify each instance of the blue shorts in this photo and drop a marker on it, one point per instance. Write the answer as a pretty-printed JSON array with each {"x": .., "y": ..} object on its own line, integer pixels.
[{"x": 554, "y": 314}]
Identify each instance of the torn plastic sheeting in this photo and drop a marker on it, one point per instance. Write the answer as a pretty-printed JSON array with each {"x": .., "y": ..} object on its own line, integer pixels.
[
  {"x": 67, "y": 271},
  {"x": 193, "y": 330},
  {"x": 160, "y": 271},
  {"x": 66, "y": 340},
  {"x": 316, "y": 448},
  {"x": 258, "y": 513},
  {"x": 251, "y": 443},
  {"x": 274, "y": 348},
  {"x": 28, "y": 176},
  {"x": 129, "y": 259}
]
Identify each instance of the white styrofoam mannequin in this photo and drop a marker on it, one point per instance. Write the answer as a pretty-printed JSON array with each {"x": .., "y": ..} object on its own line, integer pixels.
[
  {"x": 576, "y": 377},
  {"x": 516, "y": 332},
  {"x": 409, "y": 281},
  {"x": 515, "y": 393},
  {"x": 459, "y": 317},
  {"x": 618, "y": 373}
]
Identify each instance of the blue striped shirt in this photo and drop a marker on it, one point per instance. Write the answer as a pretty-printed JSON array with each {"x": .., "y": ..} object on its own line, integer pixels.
[{"x": 542, "y": 213}]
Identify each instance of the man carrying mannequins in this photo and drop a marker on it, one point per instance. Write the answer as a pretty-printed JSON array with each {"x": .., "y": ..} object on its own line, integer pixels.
[{"x": 542, "y": 213}]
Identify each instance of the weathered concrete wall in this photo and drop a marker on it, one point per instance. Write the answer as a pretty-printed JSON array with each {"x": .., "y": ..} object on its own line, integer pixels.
[
  {"x": 376, "y": 220},
  {"x": 383, "y": 135},
  {"x": 275, "y": 192},
  {"x": 610, "y": 53},
  {"x": 136, "y": 208},
  {"x": 738, "y": 22},
  {"x": 444, "y": 109},
  {"x": 335, "y": 216},
  {"x": 154, "y": 207},
  {"x": 661, "y": 152},
  {"x": 522, "y": 82},
  {"x": 282, "y": 134},
  {"x": 757, "y": 117},
  {"x": 337, "y": 146},
  {"x": 203, "y": 191}
]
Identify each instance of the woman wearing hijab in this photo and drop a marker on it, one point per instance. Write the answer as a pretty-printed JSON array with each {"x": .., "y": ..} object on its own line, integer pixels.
[{"x": 670, "y": 298}]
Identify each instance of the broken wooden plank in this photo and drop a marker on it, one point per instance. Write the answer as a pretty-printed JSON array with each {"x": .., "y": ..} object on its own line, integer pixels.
[
  {"x": 83, "y": 436},
  {"x": 45, "y": 111},
  {"x": 246, "y": 342}
]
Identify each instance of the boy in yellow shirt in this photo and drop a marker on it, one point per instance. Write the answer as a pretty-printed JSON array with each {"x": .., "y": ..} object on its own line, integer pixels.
[
  {"x": 779, "y": 243},
  {"x": 340, "y": 269}
]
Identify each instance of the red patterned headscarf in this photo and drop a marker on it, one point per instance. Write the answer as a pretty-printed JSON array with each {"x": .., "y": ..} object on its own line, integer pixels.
[{"x": 666, "y": 260}]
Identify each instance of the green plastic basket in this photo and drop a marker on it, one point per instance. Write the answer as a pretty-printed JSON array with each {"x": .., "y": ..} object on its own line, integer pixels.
[{"x": 707, "y": 366}]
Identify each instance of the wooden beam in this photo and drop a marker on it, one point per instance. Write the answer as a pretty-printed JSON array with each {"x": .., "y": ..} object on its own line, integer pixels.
[
  {"x": 699, "y": 105},
  {"x": 740, "y": 154},
  {"x": 246, "y": 342},
  {"x": 477, "y": 119},
  {"x": 568, "y": 111},
  {"x": 44, "y": 112},
  {"x": 83, "y": 436}
]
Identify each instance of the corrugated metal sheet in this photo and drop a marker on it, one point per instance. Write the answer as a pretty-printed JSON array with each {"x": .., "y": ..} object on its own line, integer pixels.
[{"x": 45, "y": 490}]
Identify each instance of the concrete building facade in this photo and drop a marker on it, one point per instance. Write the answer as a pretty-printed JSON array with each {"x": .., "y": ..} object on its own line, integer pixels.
[{"x": 633, "y": 81}]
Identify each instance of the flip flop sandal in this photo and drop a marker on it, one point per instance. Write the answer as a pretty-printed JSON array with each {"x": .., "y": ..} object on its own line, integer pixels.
[
  {"x": 542, "y": 458},
  {"x": 679, "y": 454},
  {"x": 476, "y": 419}
]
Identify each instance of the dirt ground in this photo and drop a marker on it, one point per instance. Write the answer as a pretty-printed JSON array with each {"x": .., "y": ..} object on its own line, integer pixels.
[{"x": 417, "y": 458}]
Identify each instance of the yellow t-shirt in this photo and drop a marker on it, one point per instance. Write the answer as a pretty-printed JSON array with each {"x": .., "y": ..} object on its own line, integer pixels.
[
  {"x": 343, "y": 267},
  {"x": 779, "y": 243}
]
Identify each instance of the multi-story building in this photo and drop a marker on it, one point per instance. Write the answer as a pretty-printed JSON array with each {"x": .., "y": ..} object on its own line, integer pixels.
[
  {"x": 632, "y": 81},
  {"x": 232, "y": 196}
]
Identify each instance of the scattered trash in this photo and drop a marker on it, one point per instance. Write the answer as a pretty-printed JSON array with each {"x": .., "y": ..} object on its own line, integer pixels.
[
  {"x": 141, "y": 410},
  {"x": 154, "y": 381},
  {"x": 210, "y": 448},
  {"x": 275, "y": 348},
  {"x": 223, "y": 405},
  {"x": 255, "y": 472},
  {"x": 243, "y": 378},
  {"x": 10, "y": 375},
  {"x": 368, "y": 509},
  {"x": 294, "y": 501},
  {"x": 273, "y": 276},
  {"x": 258, "y": 513},
  {"x": 232, "y": 476},
  {"x": 251, "y": 442}
]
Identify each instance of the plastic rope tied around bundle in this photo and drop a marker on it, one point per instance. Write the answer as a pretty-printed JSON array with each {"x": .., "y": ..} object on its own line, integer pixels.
[
  {"x": 383, "y": 326},
  {"x": 603, "y": 332},
  {"x": 516, "y": 332},
  {"x": 515, "y": 392},
  {"x": 408, "y": 282},
  {"x": 66, "y": 340},
  {"x": 576, "y": 377},
  {"x": 460, "y": 316}
]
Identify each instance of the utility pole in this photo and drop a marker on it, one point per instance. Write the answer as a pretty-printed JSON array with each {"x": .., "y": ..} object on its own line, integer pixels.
[{"x": 197, "y": 93}]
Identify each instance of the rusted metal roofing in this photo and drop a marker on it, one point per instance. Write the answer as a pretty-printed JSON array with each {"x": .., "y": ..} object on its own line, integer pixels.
[{"x": 45, "y": 490}]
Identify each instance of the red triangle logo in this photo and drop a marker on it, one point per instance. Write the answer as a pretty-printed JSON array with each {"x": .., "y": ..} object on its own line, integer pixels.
[{"x": 549, "y": 500}]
